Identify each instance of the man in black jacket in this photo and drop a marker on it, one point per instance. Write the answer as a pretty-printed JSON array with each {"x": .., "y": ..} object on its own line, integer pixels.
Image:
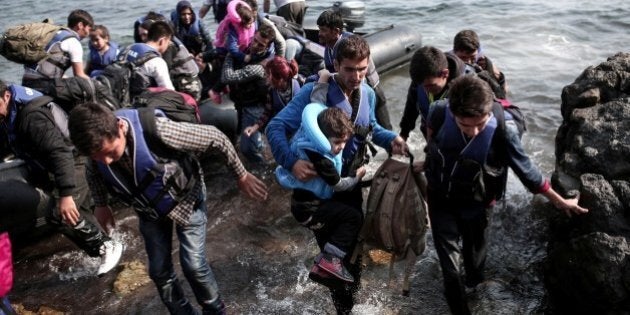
[{"x": 37, "y": 131}]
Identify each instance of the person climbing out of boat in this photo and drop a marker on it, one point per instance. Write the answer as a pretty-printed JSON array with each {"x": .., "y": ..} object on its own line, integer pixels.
[
  {"x": 248, "y": 91},
  {"x": 283, "y": 86},
  {"x": 152, "y": 163},
  {"x": 431, "y": 72},
  {"x": 330, "y": 24},
  {"x": 471, "y": 144},
  {"x": 150, "y": 69},
  {"x": 291, "y": 10},
  {"x": 219, "y": 8},
  {"x": 64, "y": 51},
  {"x": 37, "y": 131},
  {"x": 467, "y": 47},
  {"x": 346, "y": 90}
]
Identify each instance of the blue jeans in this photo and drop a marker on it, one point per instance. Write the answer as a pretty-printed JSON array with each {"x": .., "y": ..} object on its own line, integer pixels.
[
  {"x": 251, "y": 147},
  {"x": 157, "y": 236}
]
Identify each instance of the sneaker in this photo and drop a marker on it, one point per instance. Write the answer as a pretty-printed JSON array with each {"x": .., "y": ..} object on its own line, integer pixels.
[
  {"x": 334, "y": 267},
  {"x": 110, "y": 256},
  {"x": 215, "y": 97},
  {"x": 324, "y": 278}
]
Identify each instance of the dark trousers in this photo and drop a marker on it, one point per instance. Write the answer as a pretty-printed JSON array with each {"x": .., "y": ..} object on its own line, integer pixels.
[
  {"x": 293, "y": 12},
  {"x": 450, "y": 223},
  {"x": 337, "y": 221},
  {"x": 86, "y": 235}
]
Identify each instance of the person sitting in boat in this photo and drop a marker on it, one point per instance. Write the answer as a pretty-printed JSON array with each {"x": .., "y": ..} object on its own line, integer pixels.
[
  {"x": 467, "y": 47},
  {"x": 189, "y": 29},
  {"x": 330, "y": 24},
  {"x": 37, "y": 132},
  {"x": 103, "y": 51},
  {"x": 233, "y": 36},
  {"x": 431, "y": 72}
]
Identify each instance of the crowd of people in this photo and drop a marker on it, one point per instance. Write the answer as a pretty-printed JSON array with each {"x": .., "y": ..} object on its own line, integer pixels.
[{"x": 316, "y": 117}]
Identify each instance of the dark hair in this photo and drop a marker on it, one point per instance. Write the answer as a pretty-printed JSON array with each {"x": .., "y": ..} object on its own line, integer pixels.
[
  {"x": 79, "y": 16},
  {"x": 470, "y": 96},
  {"x": 3, "y": 88},
  {"x": 466, "y": 41},
  {"x": 267, "y": 32},
  {"x": 334, "y": 122},
  {"x": 89, "y": 124},
  {"x": 246, "y": 14},
  {"x": 158, "y": 30},
  {"x": 352, "y": 47},
  {"x": 331, "y": 19},
  {"x": 102, "y": 29},
  {"x": 427, "y": 62},
  {"x": 253, "y": 5},
  {"x": 279, "y": 67}
]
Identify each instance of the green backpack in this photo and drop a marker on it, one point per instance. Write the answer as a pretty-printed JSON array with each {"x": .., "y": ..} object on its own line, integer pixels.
[{"x": 26, "y": 43}]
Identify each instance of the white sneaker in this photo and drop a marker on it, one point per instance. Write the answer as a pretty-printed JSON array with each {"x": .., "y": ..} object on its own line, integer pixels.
[{"x": 110, "y": 256}]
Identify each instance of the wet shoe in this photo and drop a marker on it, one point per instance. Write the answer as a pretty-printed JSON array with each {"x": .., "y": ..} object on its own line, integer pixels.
[
  {"x": 324, "y": 278},
  {"x": 215, "y": 97},
  {"x": 110, "y": 256},
  {"x": 334, "y": 267}
]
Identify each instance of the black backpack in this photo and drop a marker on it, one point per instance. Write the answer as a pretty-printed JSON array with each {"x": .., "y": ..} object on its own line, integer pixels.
[
  {"x": 176, "y": 106},
  {"x": 496, "y": 179}
]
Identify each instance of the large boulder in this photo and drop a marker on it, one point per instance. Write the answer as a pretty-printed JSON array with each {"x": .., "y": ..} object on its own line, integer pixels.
[{"x": 588, "y": 266}]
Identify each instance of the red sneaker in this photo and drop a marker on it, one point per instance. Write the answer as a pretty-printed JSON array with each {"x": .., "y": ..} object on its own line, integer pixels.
[
  {"x": 324, "y": 278},
  {"x": 334, "y": 267}
]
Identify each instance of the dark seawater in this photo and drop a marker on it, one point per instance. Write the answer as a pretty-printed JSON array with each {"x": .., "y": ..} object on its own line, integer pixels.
[{"x": 259, "y": 255}]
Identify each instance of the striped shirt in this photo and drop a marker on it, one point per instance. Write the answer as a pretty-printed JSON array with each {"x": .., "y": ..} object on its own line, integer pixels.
[{"x": 199, "y": 140}]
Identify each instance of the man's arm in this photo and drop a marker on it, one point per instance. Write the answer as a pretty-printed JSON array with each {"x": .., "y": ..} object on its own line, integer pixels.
[
  {"x": 381, "y": 136},
  {"x": 205, "y": 7},
  {"x": 45, "y": 143},
  {"x": 205, "y": 140},
  {"x": 75, "y": 50},
  {"x": 410, "y": 113},
  {"x": 158, "y": 70},
  {"x": 247, "y": 73},
  {"x": 284, "y": 125},
  {"x": 279, "y": 42}
]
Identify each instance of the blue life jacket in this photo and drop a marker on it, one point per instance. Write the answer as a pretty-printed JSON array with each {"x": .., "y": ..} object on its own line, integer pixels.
[
  {"x": 310, "y": 137},
  {"x": 330, "y": 53},
  {"x": 20, "y": 96},
  {"x": 278, "y": 103},
  {"x": 158, "y": 183},
  {"x": 356, "y": 144},
  {"x": 98, "y": 61},
  {"x": 136, "y": 55},
  {"x": 456, "y": 166}
]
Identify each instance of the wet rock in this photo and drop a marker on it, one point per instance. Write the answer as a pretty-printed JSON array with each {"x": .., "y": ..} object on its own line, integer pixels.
[
  {"x": 42, "y": 310},
  {"x": 588, "y": 267},
  {"x": 133, "y": 276}
]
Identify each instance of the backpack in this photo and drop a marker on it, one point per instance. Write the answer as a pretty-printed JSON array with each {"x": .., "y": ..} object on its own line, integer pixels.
[
  {"x": 176, "y": 106},
  {"x": 396, "y": 216},
  {"x": 26, "y": 43},
  {"x": 501, "y": 109}
]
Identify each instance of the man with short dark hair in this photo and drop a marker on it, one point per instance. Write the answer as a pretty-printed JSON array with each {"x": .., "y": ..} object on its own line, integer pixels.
[
  {"x": 346, "y": 90},
  {"x": 330, "y": 23},
  {"x": 64, "y": 51},
  {"x": 471, "y": 143},
  {"x": 35, "y": 126},
  {"x": 431, "y": 72},
  {"x": 153, "y": 163},
  {"x": 150, "y": 68}
]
